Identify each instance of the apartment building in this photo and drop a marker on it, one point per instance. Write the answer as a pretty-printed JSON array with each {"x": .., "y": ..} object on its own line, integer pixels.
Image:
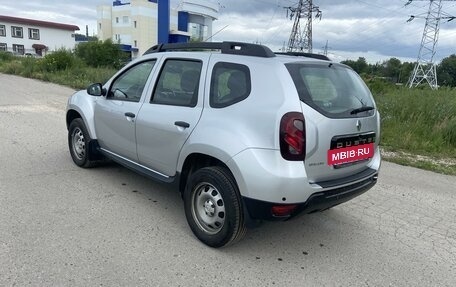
[
  {"x": 27, "y": 36},
  {"x": 139, "y": 24}
]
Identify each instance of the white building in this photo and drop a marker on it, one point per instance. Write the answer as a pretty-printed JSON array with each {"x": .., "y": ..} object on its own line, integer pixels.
[
  {"x": 140, "y": 24},
  {"x": 21, "y": 36}
]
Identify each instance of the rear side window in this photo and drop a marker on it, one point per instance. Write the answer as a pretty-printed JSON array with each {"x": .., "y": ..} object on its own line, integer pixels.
[
  {"x": 230, "y": 84},
  {"x": 178, "y": 83},
  {"x": 332, "y": 89}
]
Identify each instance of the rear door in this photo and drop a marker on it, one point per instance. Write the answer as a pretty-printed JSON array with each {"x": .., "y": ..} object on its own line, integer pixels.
[
  {"x": 341, "y": 119},
  {"x": 171, "y": 113}
]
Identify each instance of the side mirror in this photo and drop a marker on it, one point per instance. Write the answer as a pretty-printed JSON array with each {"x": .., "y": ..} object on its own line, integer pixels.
[{"x": 95, "y": 90}]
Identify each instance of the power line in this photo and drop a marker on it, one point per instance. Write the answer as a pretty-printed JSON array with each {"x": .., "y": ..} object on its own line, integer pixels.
[{"x": 379, "y": 7}]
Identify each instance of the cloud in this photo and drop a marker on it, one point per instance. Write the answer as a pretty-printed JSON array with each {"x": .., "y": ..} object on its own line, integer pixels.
[
  {"x": 376, "y": 28},
  {"x": 80, "y": 13}
]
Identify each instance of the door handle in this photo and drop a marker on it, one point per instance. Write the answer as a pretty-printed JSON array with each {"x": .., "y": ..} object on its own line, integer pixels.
[
  {"x": 182, "y": 124},
  {"x": 130, "y": 115}
]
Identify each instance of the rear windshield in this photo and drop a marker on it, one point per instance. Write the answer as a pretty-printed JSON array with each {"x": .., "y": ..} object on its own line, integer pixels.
[{"x": 332, "y": 89}]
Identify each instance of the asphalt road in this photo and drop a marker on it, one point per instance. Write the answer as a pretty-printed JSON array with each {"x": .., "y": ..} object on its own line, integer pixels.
[{"x": 61, "y": 225}]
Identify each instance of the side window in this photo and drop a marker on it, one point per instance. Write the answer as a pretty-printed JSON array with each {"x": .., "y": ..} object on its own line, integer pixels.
[
  {"x": 178, "y": 83},
  {"x": 230, "y": 84},
  {"x": 130, "y": 85}
]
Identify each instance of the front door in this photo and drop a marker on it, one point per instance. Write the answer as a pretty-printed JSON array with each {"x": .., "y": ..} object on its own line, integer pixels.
[{"x": 115, "y": 114}]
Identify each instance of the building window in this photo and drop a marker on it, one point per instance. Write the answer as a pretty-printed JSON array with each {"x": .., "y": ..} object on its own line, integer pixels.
[
  {"x": 198, "y": 32},
  {"x": 19, "y": 49},
  {"x": 2, "y": 31},
  {"x": 99, "y": 26},
  {"x": 117, "y": 19},
  {"x": 135, "y": 23},
  {"x": 3, "y": 47},
  {"x": 125, "y": 19},
  {"x": 16, "y": 32},
  {"x": 34, "y": 34},
  {"x": 136, "y": 43}
]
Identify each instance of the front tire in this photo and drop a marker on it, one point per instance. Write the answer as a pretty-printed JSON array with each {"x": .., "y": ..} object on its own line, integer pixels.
[
  {"x": 213, "y": 207},
  {"x": 78, "y": 143}
]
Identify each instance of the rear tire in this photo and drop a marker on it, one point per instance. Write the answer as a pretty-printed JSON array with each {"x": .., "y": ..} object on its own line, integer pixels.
[
  {"x": 78, "y": 143},
  {"x": 213, "y": 207}
]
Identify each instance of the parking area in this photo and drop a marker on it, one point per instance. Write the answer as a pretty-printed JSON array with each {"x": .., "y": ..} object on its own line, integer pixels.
[{"x": 61, "y": 225}]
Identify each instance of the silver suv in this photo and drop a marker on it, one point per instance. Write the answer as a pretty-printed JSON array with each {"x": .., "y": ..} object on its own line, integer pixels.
[{"x": 246, "y": 134}]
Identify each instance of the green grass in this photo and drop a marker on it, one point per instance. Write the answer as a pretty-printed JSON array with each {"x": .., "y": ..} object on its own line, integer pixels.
[
  {"x": 78, "y": 78},
  {"x": 77, "y": 75},
  {"x": 438, "y": 164},
  {"x": 449, "y": 169},
  {"x": 419, "y": 121},
  {"x": 418, "y": 126}
]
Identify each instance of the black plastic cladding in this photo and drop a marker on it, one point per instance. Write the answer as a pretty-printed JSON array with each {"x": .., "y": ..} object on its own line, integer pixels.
[{"x": 234, "y": 48}]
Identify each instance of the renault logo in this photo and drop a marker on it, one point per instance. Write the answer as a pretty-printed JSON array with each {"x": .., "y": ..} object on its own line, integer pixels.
[{"x": 358, "y": 125}]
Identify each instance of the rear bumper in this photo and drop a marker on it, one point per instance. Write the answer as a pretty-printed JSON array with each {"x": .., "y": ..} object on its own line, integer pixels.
[
  {"x": 265, "y": 176},
  {"x": 318, "y": 201}
]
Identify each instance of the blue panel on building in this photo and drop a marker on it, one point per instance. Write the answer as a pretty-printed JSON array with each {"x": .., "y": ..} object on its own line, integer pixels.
[
  {"x": 163, "y": 21},
  {"x": 119, "y": 3},
  {"x": 127, "y": 48},
  {"x": 182, "y": 21},
  {"x": 176, "y": 38}
]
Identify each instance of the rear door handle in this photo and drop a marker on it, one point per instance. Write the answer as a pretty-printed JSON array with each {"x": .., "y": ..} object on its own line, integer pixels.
[
  {"x": 130, "y": 115},
  {"x": 182, "y": 124}
]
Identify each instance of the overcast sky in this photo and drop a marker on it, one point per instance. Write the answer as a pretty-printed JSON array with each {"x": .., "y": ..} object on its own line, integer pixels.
[{"x": 374, "y": 29}]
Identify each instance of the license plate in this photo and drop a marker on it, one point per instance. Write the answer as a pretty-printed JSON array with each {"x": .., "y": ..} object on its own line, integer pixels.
[{"x": 350, "y": 154}]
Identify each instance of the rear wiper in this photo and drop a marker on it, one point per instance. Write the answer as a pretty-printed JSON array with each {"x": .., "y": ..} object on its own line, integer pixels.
[{"x": 362, "y": 109}]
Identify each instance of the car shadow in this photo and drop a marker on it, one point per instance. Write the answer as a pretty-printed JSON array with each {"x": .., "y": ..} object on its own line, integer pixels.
[{"x": 293, "y": 240}]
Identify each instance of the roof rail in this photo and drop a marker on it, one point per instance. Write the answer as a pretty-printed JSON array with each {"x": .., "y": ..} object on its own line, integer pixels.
[
  {"x": 235, "y": 48},
  {"x": 302, "y": 54}
]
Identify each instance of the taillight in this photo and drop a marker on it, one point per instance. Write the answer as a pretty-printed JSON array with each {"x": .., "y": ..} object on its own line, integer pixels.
[{"x": 293, "y": 136}]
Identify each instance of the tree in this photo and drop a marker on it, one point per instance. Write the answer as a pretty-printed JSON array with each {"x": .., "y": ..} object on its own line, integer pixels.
[
  {"x": 406, "y": 71},
  {"x": 446, "y": 71},
  {"x": 360, "y": 65},
  {"x": 393, "y": 69}
]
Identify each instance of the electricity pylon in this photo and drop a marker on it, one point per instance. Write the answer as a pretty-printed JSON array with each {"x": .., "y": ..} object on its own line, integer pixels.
[
  {"x": 425, "y": 68},
  {"x": 301, "y": 39},
  {"x": 325, "y": 49}
]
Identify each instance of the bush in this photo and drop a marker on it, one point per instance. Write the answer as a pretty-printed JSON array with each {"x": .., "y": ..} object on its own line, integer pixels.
[
  {"x": 59, "y": 60},
  {"x": 378, "y": 86},
  {"x": 81, "y": 77},
  {"x": 30, "y": 66},
  {"x": 101, "y": 54},
  {"x": 6, "y": 57},
  {"x": 12, "y": 67}
]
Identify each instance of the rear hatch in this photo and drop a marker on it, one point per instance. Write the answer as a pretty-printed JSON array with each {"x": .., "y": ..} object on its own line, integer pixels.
[{"x": 341, "y": 119}]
